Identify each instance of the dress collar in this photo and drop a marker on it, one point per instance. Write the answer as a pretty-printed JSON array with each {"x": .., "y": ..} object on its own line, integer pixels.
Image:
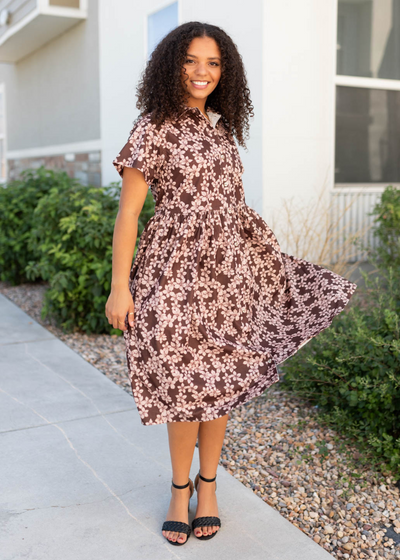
[{"x": 213, "y": 115}]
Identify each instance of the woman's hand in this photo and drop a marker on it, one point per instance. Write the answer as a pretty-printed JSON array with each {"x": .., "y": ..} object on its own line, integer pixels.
[{"x": 120, "y": 303}]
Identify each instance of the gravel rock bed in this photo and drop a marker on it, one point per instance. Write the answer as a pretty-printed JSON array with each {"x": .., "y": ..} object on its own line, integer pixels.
[{"x": 275, "y": 446}]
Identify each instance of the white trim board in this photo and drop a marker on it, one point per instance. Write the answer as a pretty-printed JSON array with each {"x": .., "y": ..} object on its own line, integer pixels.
[
  {"x": 370, "y": 83},
  {"x": 362, "y": 187},
  {"x": 56, "y": 150}
]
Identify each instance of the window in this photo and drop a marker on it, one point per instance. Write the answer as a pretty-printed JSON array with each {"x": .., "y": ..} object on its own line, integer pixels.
[
  {"x": 368, "y": 38},
  {"x": 367, "y": 135},
  {"x": 159, "y": 24},
  {"x": 368, "y": 92}
]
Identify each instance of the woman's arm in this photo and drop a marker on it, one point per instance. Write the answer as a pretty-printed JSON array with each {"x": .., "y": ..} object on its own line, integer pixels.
[{"x": 133, "y": 194}]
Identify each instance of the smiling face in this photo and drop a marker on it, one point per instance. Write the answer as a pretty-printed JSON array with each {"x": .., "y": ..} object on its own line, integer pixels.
[{"x": 203, "y": 70}]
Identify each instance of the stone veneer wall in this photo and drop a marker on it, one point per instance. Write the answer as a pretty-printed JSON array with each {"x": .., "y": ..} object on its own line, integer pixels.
[{"x": 86, "y": 167}]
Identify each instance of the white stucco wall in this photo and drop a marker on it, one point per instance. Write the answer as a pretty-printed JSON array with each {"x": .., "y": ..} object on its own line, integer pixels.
[{"x": 299, "y": 54}]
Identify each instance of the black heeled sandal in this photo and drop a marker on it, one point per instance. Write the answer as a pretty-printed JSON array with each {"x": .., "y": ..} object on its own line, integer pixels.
[
  {"x": 179, "y": 526},
  {"x": 209, "y": 520}
]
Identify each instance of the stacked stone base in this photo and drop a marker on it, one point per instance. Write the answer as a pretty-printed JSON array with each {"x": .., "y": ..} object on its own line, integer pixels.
[{"x": 85, "y": 167}]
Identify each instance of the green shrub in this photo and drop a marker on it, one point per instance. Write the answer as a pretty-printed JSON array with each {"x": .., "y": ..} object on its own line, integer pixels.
[
  {"x": 72, "y": 235},
  {"x": 351, "y": 370},
  {"x": 18, "y": 200},
  {"x": 387, "y": 230},
  {"x": 57, "y": 230}
]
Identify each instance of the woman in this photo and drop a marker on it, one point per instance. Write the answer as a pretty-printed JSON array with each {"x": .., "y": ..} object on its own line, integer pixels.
[{"x": 211, "y": 305}]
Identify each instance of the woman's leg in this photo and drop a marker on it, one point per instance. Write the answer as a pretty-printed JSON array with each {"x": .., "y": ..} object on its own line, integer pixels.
[
  {"x": 182, "y": 438},
  {"x": 211, "y": 439}
]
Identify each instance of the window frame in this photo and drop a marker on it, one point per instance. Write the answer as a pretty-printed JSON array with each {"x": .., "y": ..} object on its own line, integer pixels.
[{"x": 357, "y": 82}]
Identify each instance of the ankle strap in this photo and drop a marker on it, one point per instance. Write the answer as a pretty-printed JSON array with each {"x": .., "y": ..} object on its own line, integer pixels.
[
  {"x": 207, "y": 479},
  {"x": 180, "y": 487}
]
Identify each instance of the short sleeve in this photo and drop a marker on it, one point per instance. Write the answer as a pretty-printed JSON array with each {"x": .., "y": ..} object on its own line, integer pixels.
[{"x": 142, "y": 151}]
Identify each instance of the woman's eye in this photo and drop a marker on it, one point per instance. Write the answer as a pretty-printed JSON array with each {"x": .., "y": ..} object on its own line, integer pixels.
[{"x": 190, "y": 60}]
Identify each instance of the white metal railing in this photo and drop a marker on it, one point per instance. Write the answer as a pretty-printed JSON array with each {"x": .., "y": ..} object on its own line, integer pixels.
[{"x": 350, "y": 210}]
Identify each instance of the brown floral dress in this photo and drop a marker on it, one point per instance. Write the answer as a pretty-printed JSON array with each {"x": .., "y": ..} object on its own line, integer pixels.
[{"x": 217, "y": 304}]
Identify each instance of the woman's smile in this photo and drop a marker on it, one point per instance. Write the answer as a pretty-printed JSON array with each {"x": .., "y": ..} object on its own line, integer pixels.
[{"x": 199, "y": 84}]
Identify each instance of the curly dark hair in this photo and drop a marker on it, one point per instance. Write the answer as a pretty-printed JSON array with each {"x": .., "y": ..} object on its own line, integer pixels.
[{"x": 160, "y": 90}]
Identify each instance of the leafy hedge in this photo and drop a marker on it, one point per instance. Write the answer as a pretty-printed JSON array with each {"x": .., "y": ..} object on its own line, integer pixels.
[
  {"x": 387, "y": 229},
  {"x": 66, "y": 240},
  {"x": 351, "y": 370},
  {"x": 18, "y": 201}
]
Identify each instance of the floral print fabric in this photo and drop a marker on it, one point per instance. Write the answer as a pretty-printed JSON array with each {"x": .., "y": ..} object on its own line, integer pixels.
[{"x": 217, "y": 304}]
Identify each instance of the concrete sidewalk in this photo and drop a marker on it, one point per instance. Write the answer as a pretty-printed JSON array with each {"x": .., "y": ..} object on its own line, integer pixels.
[{"x": 82, "y": 479}]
